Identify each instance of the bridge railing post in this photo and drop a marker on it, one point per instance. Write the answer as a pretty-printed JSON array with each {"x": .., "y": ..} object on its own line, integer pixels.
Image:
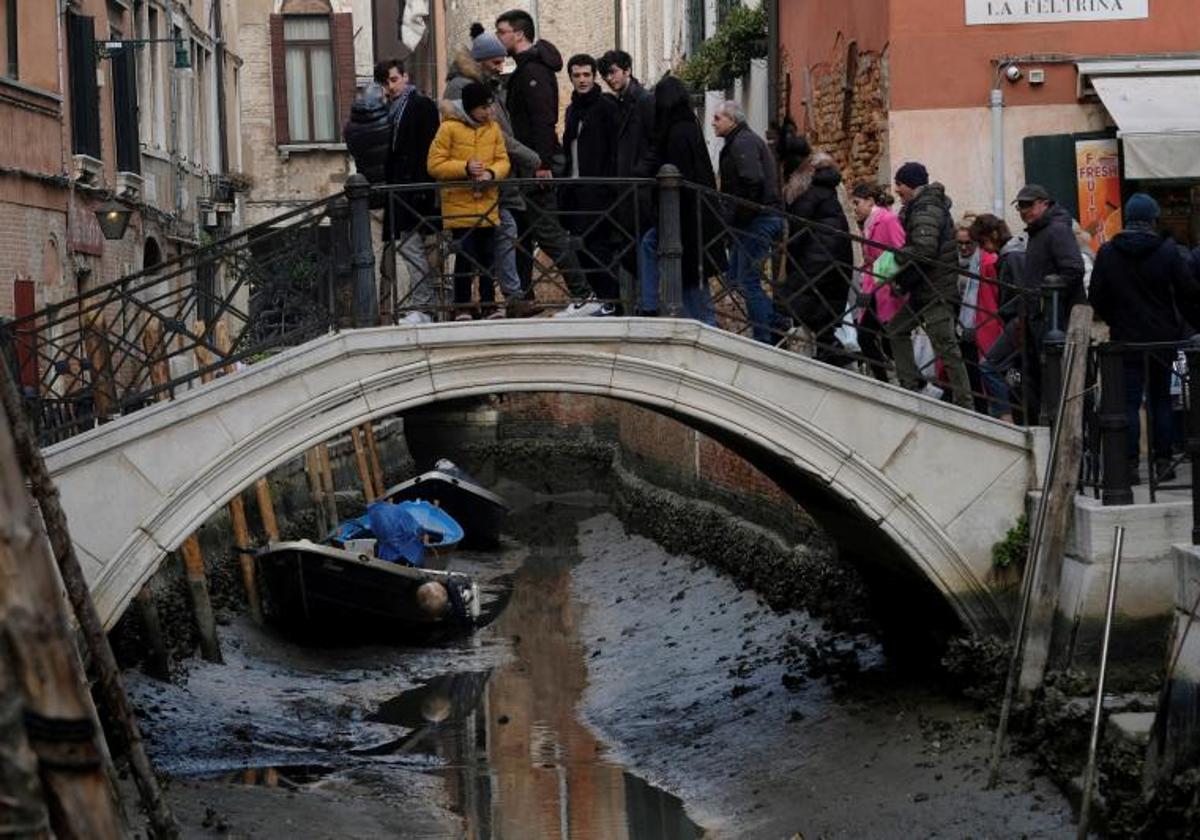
[
  {"x": 362, "y": 254},
  {"x": 343, "y": 289},
  {"x": 1114, "y": 426},
  {"x": 670, "y": 243},
  {"x": 1052, "y": 348}
]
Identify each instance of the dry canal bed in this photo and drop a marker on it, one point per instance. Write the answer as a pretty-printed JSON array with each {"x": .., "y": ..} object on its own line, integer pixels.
[{"x": 619, "y": 692}]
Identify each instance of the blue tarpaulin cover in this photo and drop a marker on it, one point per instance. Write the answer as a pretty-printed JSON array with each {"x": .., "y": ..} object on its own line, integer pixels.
[{"x": 400, "y": 530}]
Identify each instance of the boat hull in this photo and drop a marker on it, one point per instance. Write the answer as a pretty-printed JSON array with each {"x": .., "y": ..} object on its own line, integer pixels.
[{"x": 310, "y": 585}]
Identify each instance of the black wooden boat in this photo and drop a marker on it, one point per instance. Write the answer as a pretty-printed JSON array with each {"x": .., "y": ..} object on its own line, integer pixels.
[
  {"x": 314, "y": 586},
  {"x": 480, "y": 511}
]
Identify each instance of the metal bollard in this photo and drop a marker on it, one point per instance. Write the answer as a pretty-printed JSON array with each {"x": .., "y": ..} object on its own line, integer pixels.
[
  {"x": 1052, "y": 348},
  {"x": 1114, "y": 426},
  {"x": 362, "y": 254},
  {"x": 670, "y": 244}
]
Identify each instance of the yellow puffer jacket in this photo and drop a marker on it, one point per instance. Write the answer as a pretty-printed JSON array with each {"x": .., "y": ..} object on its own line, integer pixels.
[{"x": 458, "y": 140}]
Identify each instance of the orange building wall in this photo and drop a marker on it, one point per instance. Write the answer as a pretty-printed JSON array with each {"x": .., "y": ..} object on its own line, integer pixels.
[
  {"x": 809, "y": 36},
  {"x": 937, "y": 61}
]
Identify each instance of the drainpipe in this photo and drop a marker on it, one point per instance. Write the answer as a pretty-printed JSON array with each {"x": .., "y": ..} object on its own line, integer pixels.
[{"x": 997, "y": 104}]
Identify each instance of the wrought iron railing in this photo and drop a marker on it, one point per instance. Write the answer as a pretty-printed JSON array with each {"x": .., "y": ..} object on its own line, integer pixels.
[
  {"x": 116, "y": 348},
  {"x": 144, "y": 337}
]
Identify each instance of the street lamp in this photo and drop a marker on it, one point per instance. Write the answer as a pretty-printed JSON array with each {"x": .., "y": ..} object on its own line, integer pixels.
[
  {"x": 183, "y": 58},
  {"x": 113, "y": 217}
]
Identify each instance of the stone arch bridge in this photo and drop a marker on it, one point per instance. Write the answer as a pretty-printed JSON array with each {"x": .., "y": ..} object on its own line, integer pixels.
[{"x": 924, "y": 487}]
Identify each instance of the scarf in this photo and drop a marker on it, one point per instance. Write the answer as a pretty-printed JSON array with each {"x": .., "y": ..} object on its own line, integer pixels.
[
  {"x": 970, "y": 295},
  {"x": 396, "y": 110}
]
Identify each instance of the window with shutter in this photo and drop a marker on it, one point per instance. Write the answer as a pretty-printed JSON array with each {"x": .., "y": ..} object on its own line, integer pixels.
[
  {"x": 695, "y": 18},
  {"x": 125, "y": 111},
  {"x": 312, "y": 59},
  {"x": 8, "y": 39},
  {"x": 85, "y": 95}
]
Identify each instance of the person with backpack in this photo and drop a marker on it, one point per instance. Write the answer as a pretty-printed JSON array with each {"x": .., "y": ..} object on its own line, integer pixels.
[
  {"x": 929, "y": 276},
  {"x": 388, "y": 136}
]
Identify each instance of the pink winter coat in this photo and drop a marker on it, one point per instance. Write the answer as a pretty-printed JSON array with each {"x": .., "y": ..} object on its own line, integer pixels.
[{"x": 882, "y": 226}]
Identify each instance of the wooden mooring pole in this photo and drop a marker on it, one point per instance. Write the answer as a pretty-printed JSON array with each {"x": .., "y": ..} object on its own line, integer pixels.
[
  {"x": 364, "y": 471},
  {"x": 99, "y": 810},
  {"x": 316, "y": 488},
  {"x": 327, "y": 483},
  {"x": 237, "y": 507},
  {"x": 373, "y": 453},
  {"x": 159, "y": 663},
  {"x": 206, "y": 622}
]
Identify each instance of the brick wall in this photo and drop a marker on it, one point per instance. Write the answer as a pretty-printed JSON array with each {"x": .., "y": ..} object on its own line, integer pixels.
[
  {"x": 26, "y": 233},
  {"x": 662, "y": 448},
  {"x": 848, "y": 111}
]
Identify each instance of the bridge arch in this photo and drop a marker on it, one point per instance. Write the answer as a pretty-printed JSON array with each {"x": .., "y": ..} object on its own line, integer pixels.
[{"x": 940, "y": 483}]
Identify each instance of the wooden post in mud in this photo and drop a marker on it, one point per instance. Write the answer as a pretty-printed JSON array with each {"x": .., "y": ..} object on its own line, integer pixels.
[
  {"x": 364, "y": 472},
  {"x": 266, "y": 509},
  {"x": 237, "y": 507},
  {"x": 55, "y": 755},
  {"x": 326, "y": 470},
  {"x": 99, "y": 354},
  {"x": 193, "y": 558},
  {"x": 104, "y": 664},
  {"x": 206, "y": 622},
  {"x": 373, "y": 452},
  {"x": 159, "y": 663},
  {"x": 156, "y": 354},
  {"x": 312, "y": 471},
  {"x": 1060, "y": 506},
  {"x": 241, "y": 544}
]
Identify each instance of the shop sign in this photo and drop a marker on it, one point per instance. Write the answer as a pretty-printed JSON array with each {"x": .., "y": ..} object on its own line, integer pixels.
[
  {"x": 1098, "y": 173},
  {"x": 1053, "y": 11}
]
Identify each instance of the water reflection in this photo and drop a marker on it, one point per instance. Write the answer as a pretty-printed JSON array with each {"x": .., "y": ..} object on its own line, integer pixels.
[{"x": 519, "y": 763}]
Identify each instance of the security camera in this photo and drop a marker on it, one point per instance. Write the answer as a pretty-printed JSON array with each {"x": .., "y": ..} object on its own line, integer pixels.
[{"x": 1013, "y": 73}]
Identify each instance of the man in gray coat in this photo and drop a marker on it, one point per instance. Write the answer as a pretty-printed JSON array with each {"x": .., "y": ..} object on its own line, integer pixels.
[
  {"x": 748, "y": 172},
  {"x": 483, "y": 63}
]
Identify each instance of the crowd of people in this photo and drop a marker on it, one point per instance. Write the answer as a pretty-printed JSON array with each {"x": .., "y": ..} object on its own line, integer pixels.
[{"x": 917, "y": 296}]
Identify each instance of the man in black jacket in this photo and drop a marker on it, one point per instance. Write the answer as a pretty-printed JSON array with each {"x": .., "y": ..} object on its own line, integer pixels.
[
  {"x": 929, "y": 275},
  {"x": 411, "y": 216},
  {"x": 591, "y": 152},
  {"x": 748, "y": 172},
  {"x": 532, "y": 101},
  {"x": 635, "y": 133},
  {"x": 1143, "y": 289},
  {"x": 1051, "y": 250}
]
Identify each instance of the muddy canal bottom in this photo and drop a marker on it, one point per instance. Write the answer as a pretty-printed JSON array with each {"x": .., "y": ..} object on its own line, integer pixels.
[{"x": 618, "y": 692}]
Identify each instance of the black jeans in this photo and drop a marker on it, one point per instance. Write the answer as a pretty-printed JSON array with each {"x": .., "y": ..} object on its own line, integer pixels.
[
  {"x": 1149, "y": 374},
  {"x": 474, "y": 255}
]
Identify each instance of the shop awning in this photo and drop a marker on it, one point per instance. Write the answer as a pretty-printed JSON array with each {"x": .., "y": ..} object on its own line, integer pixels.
[{"x": 1158, "y": 117}]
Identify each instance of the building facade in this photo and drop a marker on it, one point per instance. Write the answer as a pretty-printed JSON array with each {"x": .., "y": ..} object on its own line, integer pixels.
[
  {"x": 993, "y": 94},
  {"x": 125, "y": 100}
]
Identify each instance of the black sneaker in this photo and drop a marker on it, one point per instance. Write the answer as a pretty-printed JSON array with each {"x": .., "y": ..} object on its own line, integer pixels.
[
  {"x": 1164, "y": 470},
  {"x": 1134, "y": 478}
]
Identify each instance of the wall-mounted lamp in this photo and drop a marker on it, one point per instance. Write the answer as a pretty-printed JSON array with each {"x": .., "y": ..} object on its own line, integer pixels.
[
  {"x": 113, "y": 217},
  {"x": 183, "y": 58}
]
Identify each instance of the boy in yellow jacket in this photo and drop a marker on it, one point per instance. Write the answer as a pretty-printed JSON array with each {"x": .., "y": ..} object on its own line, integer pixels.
[{"x": 470, "y": 147}]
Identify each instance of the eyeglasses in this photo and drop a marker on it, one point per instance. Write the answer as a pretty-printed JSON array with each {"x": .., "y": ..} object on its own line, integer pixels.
[
  {"x": 1025, "y": 205},
  {"x": 966, "y": 246}
]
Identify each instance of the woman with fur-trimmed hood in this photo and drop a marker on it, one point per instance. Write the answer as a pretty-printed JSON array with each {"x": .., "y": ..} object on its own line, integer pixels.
[{"x": 820, "y": 259}]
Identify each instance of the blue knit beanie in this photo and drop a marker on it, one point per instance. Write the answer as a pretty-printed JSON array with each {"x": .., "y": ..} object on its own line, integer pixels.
[
  {"x": 912, "y": 174},
  {"x": 487, "y": 46},
  {"x": 1141, "y": 208}
]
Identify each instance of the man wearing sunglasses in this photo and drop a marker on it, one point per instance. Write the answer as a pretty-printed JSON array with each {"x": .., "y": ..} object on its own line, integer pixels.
[{"x": 1052, "y": 249}]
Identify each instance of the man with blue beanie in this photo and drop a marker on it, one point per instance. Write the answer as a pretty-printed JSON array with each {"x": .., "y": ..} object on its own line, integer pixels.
[
  {"x": 929, "y": 276},
  {"x": 1144, "y": 290}
]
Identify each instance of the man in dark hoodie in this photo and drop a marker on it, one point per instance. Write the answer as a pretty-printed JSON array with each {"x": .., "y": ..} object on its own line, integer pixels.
[
  {"x": 1143, "y": 289},
  {"x": 929, "y": 275},
  {"x": 532, "y": 101},
  {"x": 591, "y": 150}
]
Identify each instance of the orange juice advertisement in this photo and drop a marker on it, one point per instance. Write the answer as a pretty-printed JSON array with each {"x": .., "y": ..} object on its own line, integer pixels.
[{"x": 1098, "y": 173}]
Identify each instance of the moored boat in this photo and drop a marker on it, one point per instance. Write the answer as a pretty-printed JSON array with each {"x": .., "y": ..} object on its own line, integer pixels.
[
  {"x": 480, "y": 511},
  {"x": 315, "y": 586}
]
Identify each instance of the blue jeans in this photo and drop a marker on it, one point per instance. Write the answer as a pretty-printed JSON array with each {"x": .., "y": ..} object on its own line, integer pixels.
[
  {"x": 697, "y": 299},
  {"x": 751, "y": 245}
]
